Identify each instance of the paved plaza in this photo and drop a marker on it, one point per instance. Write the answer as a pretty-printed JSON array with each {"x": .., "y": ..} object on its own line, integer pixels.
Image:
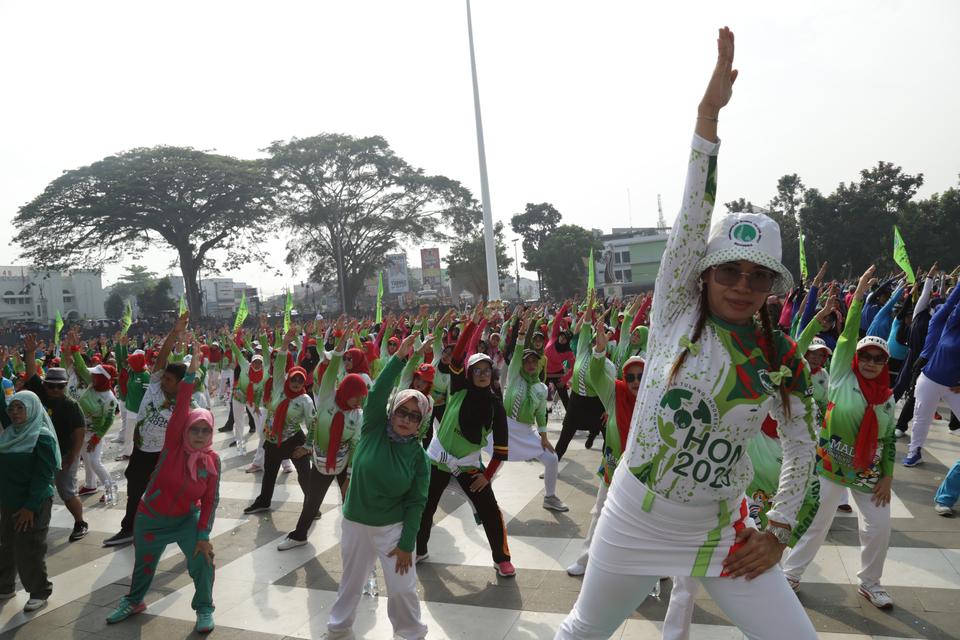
[{"x": 262, "y": 594}]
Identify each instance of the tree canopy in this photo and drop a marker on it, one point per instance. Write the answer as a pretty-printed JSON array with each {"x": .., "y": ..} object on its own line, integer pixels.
[
  {"x": 194, "y": 202},
  {"x": 563, "y": 256},
  {"x": 467, "y": 260},
  {"x": 534, "y": 225},
  {"x": 348, "y": 202}
]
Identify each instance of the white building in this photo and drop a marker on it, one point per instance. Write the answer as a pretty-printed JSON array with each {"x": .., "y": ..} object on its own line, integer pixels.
[
  {"x": 27, "y": 294},
  {"x": 221, "y": 296}
]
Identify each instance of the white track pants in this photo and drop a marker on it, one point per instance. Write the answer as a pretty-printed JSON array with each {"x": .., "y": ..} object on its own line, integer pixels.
[
  {"x": 874, "y": 534},
  {"x": 762, "y": 608},
  {"x": 92, "y": 465},
  {"x": 240, "y": 426},
  {"x": 360, "y": 546},
  {"x": 525, "y": 444},
  {"x": 213, "y": 383},
  {"x": 929, "y": 394},
  {"x": 594, "y": 517}
]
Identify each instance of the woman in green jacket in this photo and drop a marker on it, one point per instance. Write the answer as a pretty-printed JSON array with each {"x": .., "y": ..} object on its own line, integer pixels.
[{"x": 29, "y": 458}]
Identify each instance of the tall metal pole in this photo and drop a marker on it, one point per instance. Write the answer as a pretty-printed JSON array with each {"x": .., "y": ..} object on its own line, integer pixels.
[
  {"x": 493, "y": 281},
  {"x": 516, "y": 262}
]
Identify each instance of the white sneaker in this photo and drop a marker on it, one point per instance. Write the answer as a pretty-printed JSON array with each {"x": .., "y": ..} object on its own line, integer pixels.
[
  {"x": 900, "y": 433},
  {"x": 421, "y": 558},
  {"x": 290, "y": 543},
  {"x": 553, "y": 503},
  {"x": 943, "y": 510},
  {"x": 34, "y": 604},
  {"x": 877, "y": 596},
  {"x": 253, "y": 468},
  {"x": 576, "y": 569},
  {"x": 793, "y": 582},
  {"x": 288, "y": 467}
]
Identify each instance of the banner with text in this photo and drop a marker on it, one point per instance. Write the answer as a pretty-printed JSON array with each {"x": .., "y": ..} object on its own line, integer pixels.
[
  {"x": 397, "y": 281},
  {"x": 430, "y": 264}
]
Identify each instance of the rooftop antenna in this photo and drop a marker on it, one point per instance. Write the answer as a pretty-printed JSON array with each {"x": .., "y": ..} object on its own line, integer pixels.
[{"x": 661, "y": 223}]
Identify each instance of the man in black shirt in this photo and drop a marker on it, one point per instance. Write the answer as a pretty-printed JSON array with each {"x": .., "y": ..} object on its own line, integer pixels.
[{"x": 70, "y": 426}]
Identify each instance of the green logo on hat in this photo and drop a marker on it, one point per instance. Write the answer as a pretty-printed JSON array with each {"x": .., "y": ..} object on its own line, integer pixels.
[{"x": 745, "y": 233}]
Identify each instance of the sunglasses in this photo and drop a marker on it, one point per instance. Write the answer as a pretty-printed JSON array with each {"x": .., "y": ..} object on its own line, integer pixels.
[
  {"x": 55, "y": 385},
  {"x": 760, "y": 281},
  {"x": 880, "y": 359},
  {"x": 201, "y": 431},
  {"x": 633, "y": 377},
  {"x": 410, "y": 416},
  {"x": 482, "y": 371}
]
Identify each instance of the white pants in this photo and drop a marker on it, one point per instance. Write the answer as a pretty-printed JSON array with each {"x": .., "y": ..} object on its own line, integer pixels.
[
  {"x": 360, "y": 546},
  {"x": 929, "y": 394},
  {"x": 763, "y": 608},
  {"x": 240, "y": 426},
  {"x": 128, "y": 420},
  {"x": 226, "y": 383},
  {"x": 525, "y": 444},
  {"x": 594, "y": 517},
  {"x": 874, "y": 534},
  {"x": 92, "y": 466},
  {"x": 676, "y": 624},
  {"x": 213, "y": 383}
]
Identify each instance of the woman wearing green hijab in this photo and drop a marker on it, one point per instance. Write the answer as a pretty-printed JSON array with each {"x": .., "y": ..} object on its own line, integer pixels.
[{"x": 29, "y": 458}]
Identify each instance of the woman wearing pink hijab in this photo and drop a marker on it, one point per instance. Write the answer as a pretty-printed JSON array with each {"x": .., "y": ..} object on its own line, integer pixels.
[{"x": 178, "y": 506}]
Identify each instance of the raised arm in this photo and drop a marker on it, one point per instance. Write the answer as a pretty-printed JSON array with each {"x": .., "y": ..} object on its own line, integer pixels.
[
  {"x": 173, "y": 438},
  {"x": 847, "y": 344},
  {"x": 168, "y": 342}
]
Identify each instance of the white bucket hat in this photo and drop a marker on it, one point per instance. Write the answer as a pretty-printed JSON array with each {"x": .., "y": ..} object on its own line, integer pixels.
[
  {"x": 874, "y": 341},
  {"x": 747, "y": 236},
  {"x": 818, "y": 344}
]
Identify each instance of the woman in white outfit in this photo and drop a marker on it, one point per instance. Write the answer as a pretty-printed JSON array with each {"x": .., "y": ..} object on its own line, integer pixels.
[{"x": 676, "y": 505}]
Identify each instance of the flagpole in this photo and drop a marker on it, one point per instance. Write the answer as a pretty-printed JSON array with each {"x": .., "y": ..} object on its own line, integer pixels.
[{"x": 493, "y": 281}]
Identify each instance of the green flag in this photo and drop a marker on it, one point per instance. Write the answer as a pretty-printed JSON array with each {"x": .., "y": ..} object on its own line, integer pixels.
[
  {"x": 900, "y": 255},
  {"x": 803, "y": 259},
  {"x": 287, "y": 312},
  {"x": 57, "y": 327},
  {"x": 183, "y": 304},
  {"x": 380, "y": 296},
  {"x": 127, "y": 319},
  {"x": 241, "y": 313},
  {"x": 591, "y": 276}
]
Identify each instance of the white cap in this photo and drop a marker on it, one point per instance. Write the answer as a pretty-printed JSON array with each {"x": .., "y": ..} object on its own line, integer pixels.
[
  {"x": 98, "y": 371},
  {"x": 818, "y": 343},
  {"x": 478, "y": 357},
  {"x": 747, "y": 236},
  {"x": 873, "y": 341}
]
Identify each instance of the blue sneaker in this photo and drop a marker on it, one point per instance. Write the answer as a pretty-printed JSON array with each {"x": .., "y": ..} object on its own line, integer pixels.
[
  {"x": 124, "y": 610},
  {"x": 204, "y": 622},
  {"x": 913, "y": 459}
]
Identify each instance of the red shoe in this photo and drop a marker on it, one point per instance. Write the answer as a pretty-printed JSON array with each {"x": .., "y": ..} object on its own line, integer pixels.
[
  {"x": 85, "y": 491},
  {"x": 845, "y": 508},
  {"x": 505, "y": 569},
  {"x": 937, "y": 416}
]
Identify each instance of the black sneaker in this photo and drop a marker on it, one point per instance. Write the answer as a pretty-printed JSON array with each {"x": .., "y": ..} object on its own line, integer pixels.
[
  {"x": 80, "y": 530},
  {"x": 256, "y": 507},
  {"x": 124, "y": 537},
  {"x": 225, "y": 428},
  {"x": 589, "y": 443}
]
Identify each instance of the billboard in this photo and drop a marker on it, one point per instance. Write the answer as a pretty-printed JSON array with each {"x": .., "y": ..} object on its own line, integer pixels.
[
  {"x": 430, "y": 263},
  {"x": 397, "y": 281}
]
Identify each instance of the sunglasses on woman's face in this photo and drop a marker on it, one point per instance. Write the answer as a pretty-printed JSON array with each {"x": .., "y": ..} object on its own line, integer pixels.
[
  {"x": 759, "y": 281},
  {"x": 633, "y": 377},
  {"x": 866, "y": 358},
  {"x": 201, "y": 431},
  {"x": 409, "y": 416},
  {"x": 482, "y": 371}
]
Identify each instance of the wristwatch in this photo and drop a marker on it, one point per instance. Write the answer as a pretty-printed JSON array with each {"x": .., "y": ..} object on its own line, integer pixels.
[{"x": 782, "y": 534}]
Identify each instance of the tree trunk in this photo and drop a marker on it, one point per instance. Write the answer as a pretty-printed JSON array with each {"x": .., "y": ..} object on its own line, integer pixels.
[{"x": 189, "y": 267}]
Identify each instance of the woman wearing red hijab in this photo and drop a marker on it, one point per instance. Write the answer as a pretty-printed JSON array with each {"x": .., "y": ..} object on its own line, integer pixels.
[
  {"x": 856, "y": 451},
  {"x": 355, "y": 361},
  {"x": 333, "y": 433},
  {"x": 290, "y": 408}
]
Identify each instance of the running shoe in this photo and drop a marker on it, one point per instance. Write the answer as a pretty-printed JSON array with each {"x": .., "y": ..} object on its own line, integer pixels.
[
  {"x": 589, "y": 443},
  {"x": 505, "y": 569},
  {"x": 943, "y": 510},
  {"x": 124, "y": 537},
  {"x": 85, "y": 491},
  {"x": 913, "y": 459},
  {"x": 793, "y": 582},
  {"x": 421, "y": 557},
  {"x": 79, "y": 532},
  {"x": 121, "y": 458},
  {"x": 576, "y": 569},
  {"x": 290, "y": 543},
  {"x": 553, "y": 503},
  {"x": 124, "y": 610},
  {"x": 256, "y": 507},
  {"x": 204, "y": 622},
  {"x": 288, "y": 467},
  {"x": 844, "y": 508},
  {"x": 900, "y": 433},
  {"x": 226, "y": 428},
  {"x": 34, "y": 604},
  {"x": 877, "y": 596},
  {"x": 253, "y": 468}
]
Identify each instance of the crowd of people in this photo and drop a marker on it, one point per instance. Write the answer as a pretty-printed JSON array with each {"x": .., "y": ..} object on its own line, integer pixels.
[{"x": 736, "y": 414}]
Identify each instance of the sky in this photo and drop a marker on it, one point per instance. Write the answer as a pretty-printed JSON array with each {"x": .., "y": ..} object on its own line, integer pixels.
[{"x": 587, "y": 105}]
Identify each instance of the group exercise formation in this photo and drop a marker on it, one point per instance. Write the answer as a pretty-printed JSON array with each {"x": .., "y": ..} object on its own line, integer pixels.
[{"x": 733, "y": 413}]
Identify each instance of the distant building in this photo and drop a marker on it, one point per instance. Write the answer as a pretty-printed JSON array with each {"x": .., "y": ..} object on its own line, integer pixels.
[
  {"x": 221, "y": 296},
  {"x": 631, "y": 259},
  {"x": 33, "y": 295}
]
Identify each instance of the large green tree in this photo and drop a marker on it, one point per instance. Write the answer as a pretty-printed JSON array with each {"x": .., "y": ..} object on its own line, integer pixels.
[
  {"x": 114, "y": 306},
  {"x": 562, "y": 257},
  {"x": 348, "y": 202},
  {"x": 535, "y": 225},
  {"x": 191, "y": 201},
  {"x": 156, "y": 298},
  {"x": 467, "y": 260}
]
